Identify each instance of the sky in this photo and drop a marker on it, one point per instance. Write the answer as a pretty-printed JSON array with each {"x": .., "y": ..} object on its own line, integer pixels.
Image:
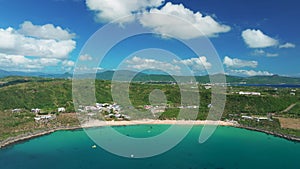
[{"x": 243, "y": 38}]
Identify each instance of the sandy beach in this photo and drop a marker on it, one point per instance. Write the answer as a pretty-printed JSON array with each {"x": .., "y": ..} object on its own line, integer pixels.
[{"x": 98, "y": 123}]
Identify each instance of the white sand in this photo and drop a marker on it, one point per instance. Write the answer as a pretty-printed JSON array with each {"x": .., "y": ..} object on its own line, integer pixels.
[{"x": 97, "y": 123}]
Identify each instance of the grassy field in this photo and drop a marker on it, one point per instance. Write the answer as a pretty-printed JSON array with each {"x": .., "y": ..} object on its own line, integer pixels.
[
  {"x": 13, "y": 124},
  {"x": 289, "y": 123}
]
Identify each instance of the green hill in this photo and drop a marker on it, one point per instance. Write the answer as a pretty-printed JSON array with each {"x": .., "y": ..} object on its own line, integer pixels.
[{"x": 48, "y": 94}]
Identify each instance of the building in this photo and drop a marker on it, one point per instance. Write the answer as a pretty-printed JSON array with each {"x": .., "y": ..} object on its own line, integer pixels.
[
  {"x": 16, "y": 110},
  {"x": 207, "y": 87},
  {"x": 44, "y": 118},
  {"x": 249, "y": 93},
  {"x": 247, "y": 117},
  {"x": 36, "y": 110},
  {"x": 61, "y": 110}
]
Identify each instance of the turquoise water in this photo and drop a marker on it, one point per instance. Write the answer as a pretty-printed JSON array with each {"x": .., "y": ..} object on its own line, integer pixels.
[{"x": 228, "y": 148}]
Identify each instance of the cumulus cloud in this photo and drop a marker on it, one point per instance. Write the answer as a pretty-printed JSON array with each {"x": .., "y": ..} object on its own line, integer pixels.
[
  {"x": 68, "y": 63},
  {"x": 250, "y": 73},
  {"x": 185, "y": 25},
  {"x": 176, "y": 67},
  {"x": 196, "y": 64},
  {"x": 47, "y": 31},
  {"x": 260, "y": 52},
  {"x": 15, "y": 43},
  {"x": 109, "y": 10},
  {"x": 238, "y": 63},
  {"x": 34, "y": 46},
  {"x": 87, "y": 69},
  {"x": 139, "y": 63},
  {"x": 257, "y": 39},
  {"x": 19, "y": 62},
  {"x": 85, "y": 57},
  {"x": 170, "y": 19},
  {"x": 272, "y": 54},
  {"x": 7, "y": 41},
  {"x": 287, "y": 45}
]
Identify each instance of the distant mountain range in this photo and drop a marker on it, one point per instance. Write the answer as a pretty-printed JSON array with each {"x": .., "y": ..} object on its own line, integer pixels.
[{"x": 160, "y": 78}]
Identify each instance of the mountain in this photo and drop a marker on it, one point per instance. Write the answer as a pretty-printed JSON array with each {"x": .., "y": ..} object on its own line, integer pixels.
[
  {"x": 126, "y": 75},
  {"x": 4, "y": 73}
]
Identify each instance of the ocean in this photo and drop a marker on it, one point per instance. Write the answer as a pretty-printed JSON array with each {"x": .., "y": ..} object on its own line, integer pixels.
[{"x": 228, "y": 148}]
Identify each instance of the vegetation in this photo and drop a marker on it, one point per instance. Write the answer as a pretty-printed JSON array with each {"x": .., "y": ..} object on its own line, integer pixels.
[{"x": 49, "y": 94}]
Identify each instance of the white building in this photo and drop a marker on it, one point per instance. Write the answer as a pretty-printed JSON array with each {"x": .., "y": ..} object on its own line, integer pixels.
[
  {"x": 249, "y": 93},
  {"x": 247, "y": 117},
  {"x": 61, "y": 109},
  {"x": 44, "y": 118},
  {"x": 36, "y": 110},
  {"x": 16, "y": 110}
]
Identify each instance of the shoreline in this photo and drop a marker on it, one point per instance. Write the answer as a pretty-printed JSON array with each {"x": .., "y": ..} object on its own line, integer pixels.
[
  {"x": 96, "y": 123},
  {"x": 284, "y": 136},
  {"x": 30, "y": 135}
]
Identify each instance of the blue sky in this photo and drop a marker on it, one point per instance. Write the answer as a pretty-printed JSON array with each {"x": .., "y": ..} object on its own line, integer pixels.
[{"x": 254, "y": 37}]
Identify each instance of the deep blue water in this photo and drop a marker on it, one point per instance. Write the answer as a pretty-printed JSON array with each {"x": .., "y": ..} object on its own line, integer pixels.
[{"x": 228, "y": 148}]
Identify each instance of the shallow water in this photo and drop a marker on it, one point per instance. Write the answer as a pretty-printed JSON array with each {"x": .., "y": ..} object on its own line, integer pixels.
[{"x": 228, "y": 148}]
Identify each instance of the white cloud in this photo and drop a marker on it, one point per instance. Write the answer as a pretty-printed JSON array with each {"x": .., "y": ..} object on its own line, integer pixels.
[
  {"x": 68, "y": 63},
  {"x": 139, "y": 63},
  {"x": 34, "y": 47},
  {"x": 47, "y": 31},
  {"x": 85, "y": 57},
  {"x": 250, "y": 73},
  {"x": 238, "y": 63},
  {"x": 195, "y": 64},
  {"x": 272, "y": 54},
  {"x": 15, "y": 43},
  {"x": 260, "y": 52},
  {"x": 19, "y": 62},
  {"x": 87, "y": 69},
  {"x": 185, "y": 25},
  {"x": 7, "y": 41},
  {"x": 257, "y": 39},
  {"x": 109, "y": 10},
  {"x": 287, "y": 45},
  {"x": 171, "y": 19},
  {"x": 175, "y": 67}
]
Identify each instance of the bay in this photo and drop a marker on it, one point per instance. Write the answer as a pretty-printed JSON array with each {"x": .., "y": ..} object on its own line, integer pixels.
[{"x": 228, "y": 148}]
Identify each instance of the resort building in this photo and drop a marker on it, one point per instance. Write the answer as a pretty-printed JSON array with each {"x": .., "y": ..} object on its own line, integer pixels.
[
  {"x": 61, "y": 110},
  {"x": 36, "y": 110},
  {"x": 16, "y": 110},
  {"x": 108, "y": 111},
  {"x": 44, "y": 118},
  {"x": 249, "y": 93}
]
